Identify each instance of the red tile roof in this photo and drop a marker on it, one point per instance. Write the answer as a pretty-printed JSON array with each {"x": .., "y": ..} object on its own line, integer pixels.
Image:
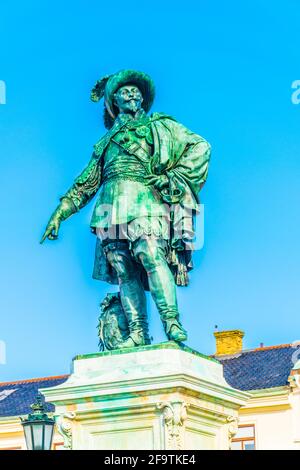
[{"x": 39, "y": 379}]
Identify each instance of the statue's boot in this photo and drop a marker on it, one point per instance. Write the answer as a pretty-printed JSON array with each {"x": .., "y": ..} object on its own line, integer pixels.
[
  {"x": 151, "y": 252},
  {"x": 132, "y": 297},
  {"x": 177, "y": 333},
  {"x": 133, "y": 301}
]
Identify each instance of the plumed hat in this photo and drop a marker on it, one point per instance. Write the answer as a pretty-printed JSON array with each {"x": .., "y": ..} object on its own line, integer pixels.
[{"x": 108, "y": 85}]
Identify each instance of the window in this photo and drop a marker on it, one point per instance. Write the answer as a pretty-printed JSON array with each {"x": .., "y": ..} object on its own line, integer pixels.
[
  {"x": 58, "y": 446},
  {"x": 244, "y": 438}
]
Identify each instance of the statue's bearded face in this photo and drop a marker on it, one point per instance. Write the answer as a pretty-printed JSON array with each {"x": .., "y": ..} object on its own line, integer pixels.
[{"x": 128, "y": 99}]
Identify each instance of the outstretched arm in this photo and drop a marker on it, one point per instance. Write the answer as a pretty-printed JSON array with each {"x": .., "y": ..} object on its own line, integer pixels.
[{"x": 83, "y": 190}]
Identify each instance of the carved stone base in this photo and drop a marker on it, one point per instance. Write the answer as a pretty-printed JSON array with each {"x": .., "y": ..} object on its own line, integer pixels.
[{"x": 153, "y": 397}]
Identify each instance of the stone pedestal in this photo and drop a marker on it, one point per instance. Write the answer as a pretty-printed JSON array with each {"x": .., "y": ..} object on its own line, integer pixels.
[{"x": 153, "y": 397}]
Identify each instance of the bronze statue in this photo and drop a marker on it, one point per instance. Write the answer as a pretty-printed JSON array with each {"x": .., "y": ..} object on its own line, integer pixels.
[{"x": 149, "y": 171}]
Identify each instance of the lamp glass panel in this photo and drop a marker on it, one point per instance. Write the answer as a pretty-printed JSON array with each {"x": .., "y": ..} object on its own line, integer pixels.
[
  {"x": 48, "y": 436},
  {"x": 37, "y": 436},
  {"x": 28, "y": 436}
]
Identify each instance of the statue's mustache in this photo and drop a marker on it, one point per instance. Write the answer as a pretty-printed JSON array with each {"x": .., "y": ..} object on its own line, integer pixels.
[{"x": 132, "y": 99}]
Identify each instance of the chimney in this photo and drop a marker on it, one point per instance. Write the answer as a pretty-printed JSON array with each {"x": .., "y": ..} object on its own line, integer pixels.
[{"x": 228, "y": 342}]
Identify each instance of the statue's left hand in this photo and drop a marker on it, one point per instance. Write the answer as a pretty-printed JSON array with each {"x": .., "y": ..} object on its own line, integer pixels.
[{"x": 158, "y": 181}]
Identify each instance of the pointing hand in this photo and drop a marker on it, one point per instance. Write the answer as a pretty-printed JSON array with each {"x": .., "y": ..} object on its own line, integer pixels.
[{"x": 52, "y": 229}]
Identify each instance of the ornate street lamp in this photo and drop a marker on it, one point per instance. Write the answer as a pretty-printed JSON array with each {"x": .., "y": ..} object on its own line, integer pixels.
[{"x": 38, "y": 427}]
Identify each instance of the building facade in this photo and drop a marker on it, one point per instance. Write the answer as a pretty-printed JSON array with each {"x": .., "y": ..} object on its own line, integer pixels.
[{"x": 269, "y": 420}]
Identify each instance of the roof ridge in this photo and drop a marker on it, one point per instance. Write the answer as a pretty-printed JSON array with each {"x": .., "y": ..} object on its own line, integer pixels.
[
  {"x": 245, "y": 351},
  {"x": 276, "y": 346},
  {"x": 38, "y": 379}
]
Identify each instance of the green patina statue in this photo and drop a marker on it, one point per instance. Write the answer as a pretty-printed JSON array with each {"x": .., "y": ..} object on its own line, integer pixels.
[{"x": 149, "y": 170}]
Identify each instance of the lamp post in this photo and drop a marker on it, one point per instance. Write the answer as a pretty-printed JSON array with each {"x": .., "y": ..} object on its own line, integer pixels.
[{"x": 38, "y": 427}]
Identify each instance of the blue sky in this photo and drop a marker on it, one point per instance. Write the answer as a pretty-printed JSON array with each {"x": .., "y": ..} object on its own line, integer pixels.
[{"x": 225, "y": 70}]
